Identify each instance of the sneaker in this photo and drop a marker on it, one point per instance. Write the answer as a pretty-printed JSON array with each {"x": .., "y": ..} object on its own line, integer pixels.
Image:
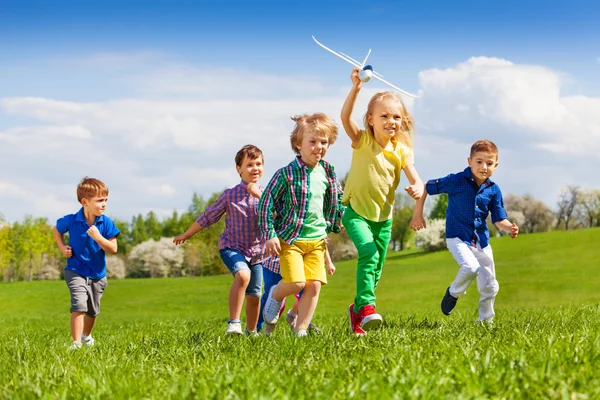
[
  {"x": 448, "y": 302},
  {"x": 234, "y": 328},
  {"x": 87, "y": 340},
  {"x": 369, "y": 319},
  {"x": 269, "y": 328},
  {"x": 301, "y": 333},
  {"x": 248, "y": 332},
  {"x": 355, "y": 322},
  {"x": 75, "y": 346},
  {"x": 272, "y": 307},
  {"x": 291, "y": 319},
  {"x": 313, "y": 328}
]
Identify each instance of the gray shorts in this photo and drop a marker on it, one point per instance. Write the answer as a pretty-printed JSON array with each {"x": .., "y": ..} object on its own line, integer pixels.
[{"x": 85, "y": 292}]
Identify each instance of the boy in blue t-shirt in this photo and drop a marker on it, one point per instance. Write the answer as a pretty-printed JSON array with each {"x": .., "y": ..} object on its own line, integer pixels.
[
  {"x": 472, "y": 196},
  {"x": 91, "y": 236}
]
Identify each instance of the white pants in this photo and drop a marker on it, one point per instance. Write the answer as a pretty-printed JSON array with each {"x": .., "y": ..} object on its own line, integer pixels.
[{"x": 475, "y": 262}]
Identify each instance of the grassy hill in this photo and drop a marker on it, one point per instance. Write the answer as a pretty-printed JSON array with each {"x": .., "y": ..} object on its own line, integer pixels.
[{"x": 164, "y": 338}]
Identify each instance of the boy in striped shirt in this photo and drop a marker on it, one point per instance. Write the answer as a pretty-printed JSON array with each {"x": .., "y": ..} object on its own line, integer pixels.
[{"x": 298, "y": 208}]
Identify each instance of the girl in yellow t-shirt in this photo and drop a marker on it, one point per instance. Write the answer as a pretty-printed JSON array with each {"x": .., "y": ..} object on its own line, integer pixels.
[{"x": 380, "y": 152}]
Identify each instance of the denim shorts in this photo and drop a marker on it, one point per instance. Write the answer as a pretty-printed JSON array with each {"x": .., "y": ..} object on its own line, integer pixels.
[{"x": 235, "y": 261}]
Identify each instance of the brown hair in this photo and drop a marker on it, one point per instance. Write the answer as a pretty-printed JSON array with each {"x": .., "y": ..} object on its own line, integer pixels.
[
  {"x": 249, "y": 150},
  {"x": 317, "y": 122},
  {"x": 485, "y": 146},
  {"x": 407, "y": 125},
  {"x": 90, "y": 187}
]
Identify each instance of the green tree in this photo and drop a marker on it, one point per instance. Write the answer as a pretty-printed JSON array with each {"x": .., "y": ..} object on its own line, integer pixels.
[
  {"x": 404, "y": 207},
  {"x": 153, "y": 226},
  {"x": 439, "y": 209}
]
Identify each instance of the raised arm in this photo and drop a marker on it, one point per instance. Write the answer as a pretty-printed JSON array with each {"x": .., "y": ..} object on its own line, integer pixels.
[{"x": 350, "y": 125}]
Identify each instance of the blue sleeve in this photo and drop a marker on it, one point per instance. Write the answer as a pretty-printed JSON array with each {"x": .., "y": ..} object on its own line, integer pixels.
[
  {"x": 497, "y": 206},
  {"x": 110, "y": 229},
  {"x": 63, "y": 224},
  {"x": 440, "y": 185}
]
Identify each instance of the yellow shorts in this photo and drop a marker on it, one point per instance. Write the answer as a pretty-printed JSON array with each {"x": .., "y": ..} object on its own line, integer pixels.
[{"x": 303, "y": 261}]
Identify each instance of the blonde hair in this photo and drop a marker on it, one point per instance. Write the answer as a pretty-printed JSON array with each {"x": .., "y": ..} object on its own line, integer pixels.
[
  {"x": 90, "y": 187},
  {"x": 407, "y": 124},
  {"x": 317, "y": 122}
]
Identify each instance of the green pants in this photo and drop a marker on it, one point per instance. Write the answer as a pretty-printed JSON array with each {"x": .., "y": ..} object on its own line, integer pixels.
[{"x": 371, "y": 240}]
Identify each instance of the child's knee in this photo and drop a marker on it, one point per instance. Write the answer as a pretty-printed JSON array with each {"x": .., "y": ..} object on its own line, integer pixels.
[
  {"x": 470, "y": 269},
  {"x": 491, "y": 289},
  {"x": 243, "y": 277}
]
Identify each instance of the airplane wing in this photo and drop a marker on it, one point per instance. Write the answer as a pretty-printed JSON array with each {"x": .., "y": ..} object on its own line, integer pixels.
[
  {"x": 395, "y": 87},
  {"x": 343, "y": 57}
]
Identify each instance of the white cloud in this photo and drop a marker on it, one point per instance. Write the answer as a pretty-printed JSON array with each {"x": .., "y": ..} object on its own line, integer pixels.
[{"x": 154, "y": 151}]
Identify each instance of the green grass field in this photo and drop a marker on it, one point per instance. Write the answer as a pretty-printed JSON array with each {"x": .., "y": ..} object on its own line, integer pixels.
[{"x": 164, "y": 338}]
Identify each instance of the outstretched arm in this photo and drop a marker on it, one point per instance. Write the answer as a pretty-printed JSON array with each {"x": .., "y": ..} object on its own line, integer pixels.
[
  {"x": 350, "y": 126},
  {"x": 416, "y": 188},
  {"x": 191, "y": 231},
  {"x": 507, "y": 226},
  {"x": 418, "y": 222}
]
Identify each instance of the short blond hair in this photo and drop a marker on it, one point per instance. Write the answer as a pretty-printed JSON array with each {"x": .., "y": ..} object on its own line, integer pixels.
[
  {"x": 407, "y": 125},
  {"x": 317, "y": 122},
  {"x": 91, "y": 187}
]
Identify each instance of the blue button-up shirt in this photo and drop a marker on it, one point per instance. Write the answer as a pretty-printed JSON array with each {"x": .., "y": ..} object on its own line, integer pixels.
[
  {"x": 469, "y": 206},
  {"x": 88, "y": 257}
]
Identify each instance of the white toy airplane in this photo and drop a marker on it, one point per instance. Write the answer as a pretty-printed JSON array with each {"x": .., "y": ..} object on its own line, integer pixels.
[{"x": 366, "y": 71}]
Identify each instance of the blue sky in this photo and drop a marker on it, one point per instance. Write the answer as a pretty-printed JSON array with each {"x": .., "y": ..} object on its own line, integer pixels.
[{"x": 156, "y": 97}]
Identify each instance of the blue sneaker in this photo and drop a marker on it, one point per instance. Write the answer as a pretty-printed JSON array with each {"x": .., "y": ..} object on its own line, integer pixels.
[{"x": 448, "y": 302}]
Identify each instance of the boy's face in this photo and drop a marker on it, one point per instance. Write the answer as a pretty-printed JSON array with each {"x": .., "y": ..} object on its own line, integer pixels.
[
  {"x": 482, "y": 165},
  {"x": 251, "y": 170},
  {"x": 95, "y": 205},
  {"x": 313, "y": 148}
]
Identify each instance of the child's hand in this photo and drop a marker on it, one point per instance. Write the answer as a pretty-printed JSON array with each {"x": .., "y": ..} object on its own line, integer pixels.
[
  {"x": 418, "y": 223},
  {"x": 94, "y": 233},
  {"x": 330, "y": 269},
  {"x": 272, "y": 247},
  {"x": 514, "y": 231},
  {"x": 415, "y": 191},
  {"x": 355, "y": 78},
  {"x": 67, "y": 251},
  {"x": 180, "y": 239},
  {"x": 253, "y": 190}
]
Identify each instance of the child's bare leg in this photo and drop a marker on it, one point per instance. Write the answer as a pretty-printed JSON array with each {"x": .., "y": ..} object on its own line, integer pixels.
[
  {"x": 308, "y": 304},
  {"x": 252, "y": 310},
  {"x": 295, "y": 307},
  {"x": 88, "y": 325},
  {"x": 77, "y": 325},
  {"x": 283, "y": 290},
  {"x": 237, "y": 292}
]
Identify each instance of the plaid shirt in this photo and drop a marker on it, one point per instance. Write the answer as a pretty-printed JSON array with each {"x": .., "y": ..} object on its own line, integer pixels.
[
  {"x": 287, "y": 195},
  {"x": 469, "y": 206},
  {"x": 241, "y": 223},
  {"x": 272, "y": 264}
]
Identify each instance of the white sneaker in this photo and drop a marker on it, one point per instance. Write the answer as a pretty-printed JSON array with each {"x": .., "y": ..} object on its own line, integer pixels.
[
  {"x": 87, "y": 340},
  {"x": 272, "y": 307},
  {"x": 234, "y": 328},
  {"x": 75, "y": 346},
  {"x": 301, "y": 333}
]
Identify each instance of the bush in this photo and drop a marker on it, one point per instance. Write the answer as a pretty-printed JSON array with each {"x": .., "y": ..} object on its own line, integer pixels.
[
  {"x": 432, "y": 238},
  {"x": 49, "y": 272},
  {"x": 155, "y": 259},
  {"x": 115, "y": 267}
]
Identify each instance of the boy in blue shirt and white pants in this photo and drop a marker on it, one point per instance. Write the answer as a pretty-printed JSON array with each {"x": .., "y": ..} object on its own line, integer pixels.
[
  {"x": 472, "y": 196},
  {"x": 91, "y": 236}
]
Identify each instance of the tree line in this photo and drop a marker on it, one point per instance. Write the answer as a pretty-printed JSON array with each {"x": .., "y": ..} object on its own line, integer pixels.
[{"x": 28, "y": 250}]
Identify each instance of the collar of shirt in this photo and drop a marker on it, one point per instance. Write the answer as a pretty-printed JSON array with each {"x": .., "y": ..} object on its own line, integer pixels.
[
  {"x": 80, "y": 216},
  {"x": 469, "y": 176}
]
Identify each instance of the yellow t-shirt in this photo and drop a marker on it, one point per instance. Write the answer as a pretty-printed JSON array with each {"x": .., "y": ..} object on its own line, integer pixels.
[{"x": 373, "y": 178}]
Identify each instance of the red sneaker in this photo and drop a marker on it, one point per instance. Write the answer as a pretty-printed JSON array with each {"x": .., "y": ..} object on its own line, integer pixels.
[
  {"x": 369, "y": 319},
  {"x": 355, "y": 322}
]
